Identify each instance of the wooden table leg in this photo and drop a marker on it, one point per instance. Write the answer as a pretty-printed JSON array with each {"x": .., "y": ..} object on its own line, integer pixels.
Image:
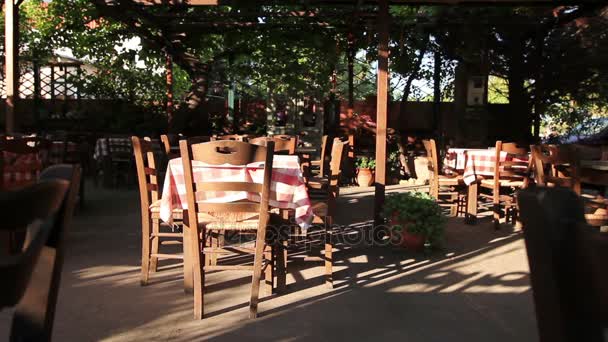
[{"x": 471, "y": 214}]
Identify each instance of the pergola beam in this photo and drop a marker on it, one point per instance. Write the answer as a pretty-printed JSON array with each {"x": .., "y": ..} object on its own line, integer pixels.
[
  {"x": 11, "y": 61},
  {"x": 381, "y": 110},
  {"x": 353, "y": 2}
]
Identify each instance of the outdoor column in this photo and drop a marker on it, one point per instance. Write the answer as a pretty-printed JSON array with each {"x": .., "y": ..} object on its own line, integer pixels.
[
  {"x": 11, "y": 53},
  {"x": 169, "y": 80},
  {"x": 381, "y": 109},
  {"x": 437, "y": 118},
  {"x": 350, "y": 54}
]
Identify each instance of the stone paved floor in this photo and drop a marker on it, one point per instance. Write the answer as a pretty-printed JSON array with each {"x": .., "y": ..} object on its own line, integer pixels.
[{"x": 475, "y": 289}]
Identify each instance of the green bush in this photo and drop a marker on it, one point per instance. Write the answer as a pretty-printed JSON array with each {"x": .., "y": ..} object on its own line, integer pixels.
[{"x": 418, "y": 212}]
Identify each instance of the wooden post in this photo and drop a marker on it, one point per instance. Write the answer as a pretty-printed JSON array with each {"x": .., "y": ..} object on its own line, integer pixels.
[
  {"x": 169, "y": 83},
  {"x": 381, "y": 109},
  {"x": 437, "y": 119},
  {"x": 350, "y": 55},
  {"x": 11, "y": 53}
]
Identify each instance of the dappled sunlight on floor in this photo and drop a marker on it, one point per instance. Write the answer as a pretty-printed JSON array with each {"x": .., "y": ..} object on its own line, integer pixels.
[{"x": 475, "y": 289}]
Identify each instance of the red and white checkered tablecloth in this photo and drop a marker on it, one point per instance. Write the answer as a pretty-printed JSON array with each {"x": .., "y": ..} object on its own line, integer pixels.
[
  {"x": 102, "y": 149},
  {"x": 20, "y": 169},
  {"x": 455, "y": 158},
  {"x": 481, "y": 163},
  {"x": 288, "y": 190}
]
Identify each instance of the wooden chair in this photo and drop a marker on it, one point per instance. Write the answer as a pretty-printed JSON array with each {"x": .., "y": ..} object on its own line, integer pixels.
[
  {"x": 170, "y": 145},
  {"x": 233, "y": 137},
  {"x": 30, "y": 276},
  {"x": 324, "y": 206},
  {"x": 320, "y": 182},
  {"x": 443, "y": 188},
  {"x": 558, "y": 166},
  {"x": 34, "y": 315},
  {"x": 242, "y": 216},
  {"x": 567, "y": 266},
  {"x": 149, "y": 197},
  {"x": 119, "y": 160},
  {"x": 281, "y": 145},
  {"x": 555, "y": 166},
  {"x": 510, "y": 174},
  {"x": 287, "y": 137},
  {"x": 322, "y": 162}
]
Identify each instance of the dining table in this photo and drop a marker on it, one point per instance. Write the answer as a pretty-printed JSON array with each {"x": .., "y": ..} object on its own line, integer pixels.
[
  {"x": 288, "y": 188},
  {"x": 475, "y": 164}
]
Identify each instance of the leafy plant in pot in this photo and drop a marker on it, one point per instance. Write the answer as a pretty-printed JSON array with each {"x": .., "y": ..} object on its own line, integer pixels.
[
  {"x": 415, "y": 219},
  {"x": 365, "y": 171}
]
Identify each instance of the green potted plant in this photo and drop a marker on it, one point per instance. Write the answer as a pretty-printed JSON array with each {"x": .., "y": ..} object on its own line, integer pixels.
[
  {"x": 415, "y": 219},
  {"x": 365, "y": 171}
]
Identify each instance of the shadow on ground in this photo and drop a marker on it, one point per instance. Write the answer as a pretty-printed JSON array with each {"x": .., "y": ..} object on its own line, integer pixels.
[{"x": 475, "y": 289}]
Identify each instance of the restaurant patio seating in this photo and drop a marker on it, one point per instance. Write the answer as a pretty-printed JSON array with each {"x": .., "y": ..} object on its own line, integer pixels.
[
  {"x": 321, "y": 163},
  {"x": 320, "y": 181},
  {"x": 445, "y": 189},
  {"x": 282, "y": 145},
  {"x": 170, "y": 143},
  {"x": 567, "y": 266},
  {"x": 323, "y": 207},
  {"x": 21, "y": 161},
  {"x": 234, "y": 137},
  {"x": 559, "y": 166},
  {"x": 31, "y": 275},
  {"x": 149, "y": 195},
  {"x": 555, "y": 166},
  {"x": 246, "y": 216},
  {"x": 115, "y": 154},
  {"x": 511, "y": 173}
]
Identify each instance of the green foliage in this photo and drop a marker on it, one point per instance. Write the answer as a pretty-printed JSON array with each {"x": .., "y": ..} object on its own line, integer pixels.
[
  {"x": 418, "y": 213},
  {"x": 366, "y": 163}
]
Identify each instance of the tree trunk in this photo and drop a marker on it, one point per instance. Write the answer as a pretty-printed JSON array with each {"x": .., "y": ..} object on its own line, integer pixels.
[
  {"x": 518, "y": 99},
  {"x": 408, "y": 84},
  {"x": 189, "y": 116}
]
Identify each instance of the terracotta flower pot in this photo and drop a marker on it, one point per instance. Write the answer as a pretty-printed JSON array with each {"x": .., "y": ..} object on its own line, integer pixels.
[
  {"x": 365, "y": 177},
  {"x": 402, "y": 237}
]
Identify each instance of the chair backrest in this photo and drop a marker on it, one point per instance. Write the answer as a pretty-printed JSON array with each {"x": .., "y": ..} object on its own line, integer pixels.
[
  {"x": 35, "y": 313},
  {"x": 119, "y": 148},
  {"x": 287, "y": 137},
  {"x": 147, "y": 173},
  {"x": 516, "y": 166},
  {"x": 234, "y": 137},
  {"x": 567, "y": 266},
  {"x": 236, "y": 153},
  {"x": 433, "y": 166},
  {"x": 20, "y": 162},
  {"x": 169, "y": 141},
  {"x": 338, "y": 149},
  {"x": 322, "y": 166},
  {"x": 555, "y": 166},
  {"x": 281, "y": 145},
  {"x": 37, "y": 204}
]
